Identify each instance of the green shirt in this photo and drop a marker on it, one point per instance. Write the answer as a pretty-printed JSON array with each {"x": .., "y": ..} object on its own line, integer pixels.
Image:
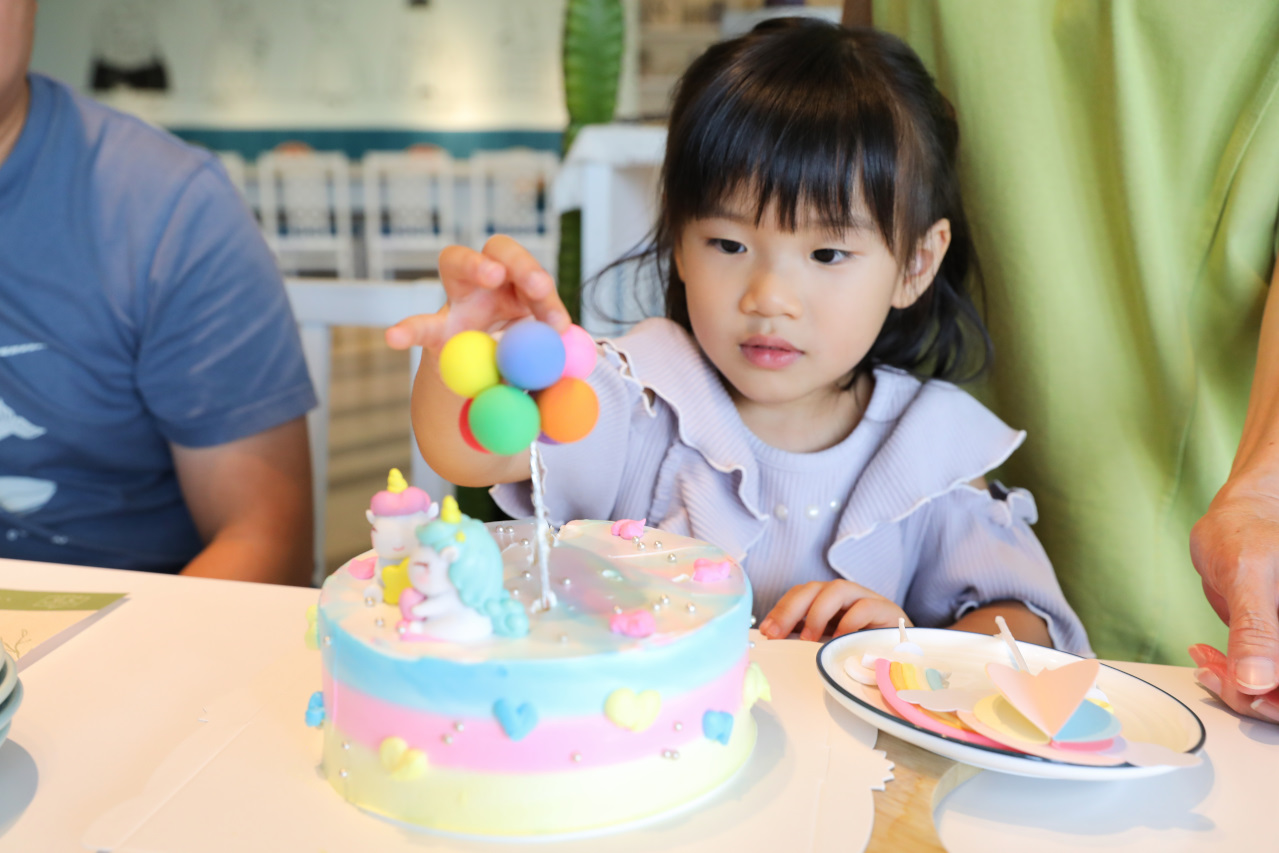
[{"x": 1120, "y": 162}]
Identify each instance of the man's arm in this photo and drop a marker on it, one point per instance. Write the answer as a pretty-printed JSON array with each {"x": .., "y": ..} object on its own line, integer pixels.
[
  {"x": 1235, "y": 546},
  {"x": 251, "y": 501}
]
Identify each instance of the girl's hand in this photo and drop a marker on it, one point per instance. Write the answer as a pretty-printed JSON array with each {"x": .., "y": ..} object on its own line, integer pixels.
[
  {"x": 486, "y": 291},
  {"x": 831, "y": 608},
  {"x": 1235, "y": 548}
]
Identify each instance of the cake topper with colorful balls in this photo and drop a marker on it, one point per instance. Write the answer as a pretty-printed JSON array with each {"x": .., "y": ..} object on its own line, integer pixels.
[{"x": 497, "y": 375}]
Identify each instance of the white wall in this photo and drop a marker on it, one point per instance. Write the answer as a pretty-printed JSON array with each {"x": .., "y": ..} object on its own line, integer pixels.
[{"x": 448, "y": 65}]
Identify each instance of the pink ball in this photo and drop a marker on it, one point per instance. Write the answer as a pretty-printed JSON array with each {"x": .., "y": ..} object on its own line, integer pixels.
[{"x": 579, "y": 352}]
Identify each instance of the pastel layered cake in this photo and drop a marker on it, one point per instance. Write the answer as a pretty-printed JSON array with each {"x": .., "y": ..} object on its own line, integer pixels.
[{"x": 631, "y": 695}]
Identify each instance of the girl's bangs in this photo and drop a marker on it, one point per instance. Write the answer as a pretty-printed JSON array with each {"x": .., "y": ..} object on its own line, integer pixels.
[{"x": 830, "y": 160}]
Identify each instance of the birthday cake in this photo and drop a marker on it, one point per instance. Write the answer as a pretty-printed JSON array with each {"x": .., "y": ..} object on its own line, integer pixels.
[{"x": 464, "y": 692}]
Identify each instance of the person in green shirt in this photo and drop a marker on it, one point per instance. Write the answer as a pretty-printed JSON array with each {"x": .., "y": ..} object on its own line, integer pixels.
[{"x": 1121, "y": 163}]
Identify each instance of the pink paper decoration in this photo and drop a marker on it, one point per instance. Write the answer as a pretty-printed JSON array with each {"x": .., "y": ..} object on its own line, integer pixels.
[
  {"x": 912, "y": 714},
  {"x": 1049, "y": 698}
]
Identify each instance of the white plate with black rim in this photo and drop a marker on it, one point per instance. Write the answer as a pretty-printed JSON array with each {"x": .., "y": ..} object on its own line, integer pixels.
[
  {"x": 1146, "y": 712},
  {"x": 8, "y": 674},
  {"x": 10, "y": 692}
]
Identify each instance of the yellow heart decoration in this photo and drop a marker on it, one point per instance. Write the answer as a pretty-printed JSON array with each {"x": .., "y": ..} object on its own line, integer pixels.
[
  {"x": 395, "y": 579},
  {"x": 755, "y": 687},
  {"x": 630, "y": 711},
  {"x": 404, "y": 764},
  {"x": 312, "y": 629}
]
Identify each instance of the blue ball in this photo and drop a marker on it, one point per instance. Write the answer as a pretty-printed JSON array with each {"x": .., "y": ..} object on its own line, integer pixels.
[{"x": 530, "y": 355}]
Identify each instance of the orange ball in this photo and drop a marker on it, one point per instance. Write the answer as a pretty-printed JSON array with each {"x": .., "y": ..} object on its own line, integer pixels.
[{"x": 569, "y": 410}]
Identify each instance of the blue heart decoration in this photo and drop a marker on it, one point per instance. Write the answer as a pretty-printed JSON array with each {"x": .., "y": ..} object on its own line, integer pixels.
[
  {"x": 315, "y": 710},
  {"x": 718, "y": 725},
  {"x": 1089, "y": 723},
  {"x": 516, "y": 722}
]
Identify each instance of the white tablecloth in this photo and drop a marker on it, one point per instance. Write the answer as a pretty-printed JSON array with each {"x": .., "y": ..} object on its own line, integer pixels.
[
  {"x": 176, "y": 723},
  {"x": 130, "y": 692}
]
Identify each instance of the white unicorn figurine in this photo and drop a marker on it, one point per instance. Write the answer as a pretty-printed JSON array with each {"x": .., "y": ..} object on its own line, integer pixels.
[
  {"x": 395, "y": 515},
  {"x": 456, "y": 577}
]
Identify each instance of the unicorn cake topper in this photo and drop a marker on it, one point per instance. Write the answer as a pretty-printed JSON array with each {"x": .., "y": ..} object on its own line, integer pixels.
[
  {"x": 455, "y": 576},
  {"x": 395, "y": 514}
]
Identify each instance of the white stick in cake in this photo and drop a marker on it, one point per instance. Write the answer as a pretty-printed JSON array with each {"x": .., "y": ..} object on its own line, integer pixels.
[
  {"x": 1007, "y": 636},
  {"x": 541, "y": 539}
]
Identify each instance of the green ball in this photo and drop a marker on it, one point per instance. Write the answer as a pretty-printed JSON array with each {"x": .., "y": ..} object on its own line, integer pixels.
[{"x": 504, "y": 420}]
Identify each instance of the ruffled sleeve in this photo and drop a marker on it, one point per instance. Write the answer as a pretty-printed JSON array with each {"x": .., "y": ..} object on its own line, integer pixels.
[{"x": 976, "y": 547}]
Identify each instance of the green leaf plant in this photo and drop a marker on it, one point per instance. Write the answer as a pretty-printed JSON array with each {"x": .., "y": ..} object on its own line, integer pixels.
[{"x": 594, "y": 35}]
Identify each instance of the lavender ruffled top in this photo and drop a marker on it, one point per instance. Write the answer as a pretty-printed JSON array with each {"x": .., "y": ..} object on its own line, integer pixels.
[{"x": 889, "y": 507}]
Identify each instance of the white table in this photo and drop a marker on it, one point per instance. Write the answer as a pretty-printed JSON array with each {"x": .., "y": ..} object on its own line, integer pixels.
[
  {"x": 175, "y": 670},
  {"x": 109, "y": 706}
]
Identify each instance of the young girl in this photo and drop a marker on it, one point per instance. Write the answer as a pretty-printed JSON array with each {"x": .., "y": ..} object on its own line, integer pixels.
[{"x": 789, "y": 408}]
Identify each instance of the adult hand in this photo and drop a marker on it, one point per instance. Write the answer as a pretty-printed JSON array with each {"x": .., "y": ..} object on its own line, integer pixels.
[
  {"x": 830, "y": 608},
  {"x": 486, "y": 290},
  {"x": 1235, "y": 549}
]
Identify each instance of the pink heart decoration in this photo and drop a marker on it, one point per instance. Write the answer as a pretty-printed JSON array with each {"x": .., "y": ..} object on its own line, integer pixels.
[
  {"x": 1048, "y": 698},
  {"x": 628, "y": 528},
  {"x": 362, "y": 569},
  {"x": 710, "y": 571},
  {"x": 633, "y": 623},
  {"x": 409, "y": 599}
]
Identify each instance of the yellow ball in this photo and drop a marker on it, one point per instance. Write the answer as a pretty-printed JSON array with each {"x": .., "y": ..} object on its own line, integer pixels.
[{"x": 468, "y": 363}]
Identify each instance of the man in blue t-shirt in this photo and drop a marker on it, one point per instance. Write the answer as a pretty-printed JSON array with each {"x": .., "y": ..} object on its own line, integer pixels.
[{"x": 152, "y": 385}]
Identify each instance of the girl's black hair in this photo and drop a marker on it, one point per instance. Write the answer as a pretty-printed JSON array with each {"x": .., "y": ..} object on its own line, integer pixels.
[{"x": 814, "y": 118}]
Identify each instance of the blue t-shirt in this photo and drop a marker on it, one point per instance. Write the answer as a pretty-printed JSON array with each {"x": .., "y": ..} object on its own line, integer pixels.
[{"x": 139, "y": 307}]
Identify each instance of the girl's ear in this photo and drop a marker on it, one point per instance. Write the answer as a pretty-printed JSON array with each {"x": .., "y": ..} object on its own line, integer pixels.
[{"x": 923, "y": 266}]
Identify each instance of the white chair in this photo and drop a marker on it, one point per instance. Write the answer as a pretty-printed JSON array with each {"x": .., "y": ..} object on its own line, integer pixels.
[
  {"x": 305, "y": 199},
  {"x": 408, "y": 210},
  {"x": 237, "y": 170},
  {"x": 318, "y": 306},
  {"x": 611, "y": 174},
  {"x": 510, "y": 194}
]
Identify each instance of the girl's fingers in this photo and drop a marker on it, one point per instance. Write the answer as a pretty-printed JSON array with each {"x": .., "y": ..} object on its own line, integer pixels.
[
  {"x": 534, "y": 285},
  {"x": 870, "y": 613},
  {"x": 792, "y": 606},
  {"x": 463, "y": 270},
  {"x": 828, "y": 603},
  {"x": 420, "y": 330}
]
